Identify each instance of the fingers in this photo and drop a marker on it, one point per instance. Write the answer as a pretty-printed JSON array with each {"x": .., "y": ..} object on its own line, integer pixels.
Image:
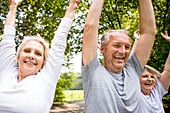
[
  {"x": 18, "y": 2},
  {"x": 166, "y": 33},
  {"x": 162, "y": 35},
  {"x": 10, "y": 1},
  {"x": 15, "y": 2},
  {"x": 77, "y": 3},
  {"x": 74, "y": 3},
  {"x": 165, "y": 36},
  {"x": 136, "y": 34}
]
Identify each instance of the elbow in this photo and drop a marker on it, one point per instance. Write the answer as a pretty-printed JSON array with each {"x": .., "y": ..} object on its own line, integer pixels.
[
  {"x": 167, "y": 70},
  {"x": 89, "y": 26},
  {"x": 152, "y": 31},
  {"x": 152, "y": 28}
]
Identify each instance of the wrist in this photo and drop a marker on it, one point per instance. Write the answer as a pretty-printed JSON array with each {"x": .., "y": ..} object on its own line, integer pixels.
[
  {"x": 70, "y": 13},
  {"x": 13, "y": 8}
]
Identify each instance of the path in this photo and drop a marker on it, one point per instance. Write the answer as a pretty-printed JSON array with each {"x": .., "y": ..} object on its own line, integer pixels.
[{"x": 75, "y": 107}]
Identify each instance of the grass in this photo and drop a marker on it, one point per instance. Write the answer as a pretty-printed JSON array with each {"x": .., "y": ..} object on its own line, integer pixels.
[{"x": 73, "y": 95}]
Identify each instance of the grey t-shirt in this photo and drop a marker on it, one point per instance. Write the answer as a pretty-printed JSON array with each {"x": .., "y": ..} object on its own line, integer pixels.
[
  {"x": 153, "y": 102},
  {"x": 108, "y": 92}
]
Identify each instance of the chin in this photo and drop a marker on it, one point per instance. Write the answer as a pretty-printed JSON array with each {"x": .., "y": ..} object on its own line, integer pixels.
[{"x": 119, "y": 66}]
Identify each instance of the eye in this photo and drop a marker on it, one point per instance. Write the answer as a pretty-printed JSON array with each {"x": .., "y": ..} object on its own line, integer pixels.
[
  {"x": 38, "y": 54},
  {"x": 127, "y": 47},
  {"x": 144, "y": 76},
  {"x": 26, "y": 50},
  {"x": 116, "y": 45},
  {"x": 152, "y": 77}
]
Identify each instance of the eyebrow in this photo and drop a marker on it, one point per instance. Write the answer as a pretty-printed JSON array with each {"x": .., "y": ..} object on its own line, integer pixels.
[{"x": 121, "y": 43}]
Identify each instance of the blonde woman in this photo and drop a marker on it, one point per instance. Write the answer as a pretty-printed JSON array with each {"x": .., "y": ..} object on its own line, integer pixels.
[
  {"x": 154, "y": 85},
  {"x": 29, "y": 76}
]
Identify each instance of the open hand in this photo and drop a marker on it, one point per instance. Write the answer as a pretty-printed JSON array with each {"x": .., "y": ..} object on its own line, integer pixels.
[
  {"x": 165, "y": 36},
  {"x": 77, "y": 3},
  {"x": 15, "y": 2},
  {"x": 136, "y": 34},
  {"x": 74, "y": 3}
]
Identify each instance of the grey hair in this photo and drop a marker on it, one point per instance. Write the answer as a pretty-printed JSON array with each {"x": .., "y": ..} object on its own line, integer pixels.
[{"x": 106, "y": 35}]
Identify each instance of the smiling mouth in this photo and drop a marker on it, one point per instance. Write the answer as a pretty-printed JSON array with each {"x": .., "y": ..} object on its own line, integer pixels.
[
  {"x": 28, "y": 62},
  {"x": 119, "y": 58},
  {"x": 148, "y": 84}
]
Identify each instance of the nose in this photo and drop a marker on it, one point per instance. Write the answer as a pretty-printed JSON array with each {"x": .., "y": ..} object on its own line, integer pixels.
[
  {"x": 31, "y": 55},
  {"x": 150, "y": 78},
  {"x": 122, "y": 49}
]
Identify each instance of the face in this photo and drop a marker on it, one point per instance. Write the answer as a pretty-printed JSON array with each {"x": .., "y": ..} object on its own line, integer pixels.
[
  {"x": 147, "y": 82},
  {"x": 31, "y": 58},
  {"x": 116, "y": 51}
]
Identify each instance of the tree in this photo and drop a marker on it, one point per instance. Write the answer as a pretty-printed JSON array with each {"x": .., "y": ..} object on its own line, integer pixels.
[
  {"x": 66, "y": 81},
  {"x": 43, "y": 17}
]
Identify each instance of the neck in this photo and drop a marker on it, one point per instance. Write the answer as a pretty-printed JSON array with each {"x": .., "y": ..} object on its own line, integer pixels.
[
  {"x": 146, "y": 93},
  {"x": 20, "y": 77}
]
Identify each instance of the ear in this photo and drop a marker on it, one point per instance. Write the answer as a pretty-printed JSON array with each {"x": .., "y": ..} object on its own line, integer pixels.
[
  {"x": 102, "y": 47},
  {"x": 18, "y": 57}
]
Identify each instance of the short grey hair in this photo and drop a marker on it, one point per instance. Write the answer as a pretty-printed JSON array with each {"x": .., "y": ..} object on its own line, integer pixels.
[{"x": 106, "y": 35}]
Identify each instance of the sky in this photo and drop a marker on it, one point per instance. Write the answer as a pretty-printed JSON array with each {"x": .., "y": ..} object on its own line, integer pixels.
[{"x": 77, "y": 63}]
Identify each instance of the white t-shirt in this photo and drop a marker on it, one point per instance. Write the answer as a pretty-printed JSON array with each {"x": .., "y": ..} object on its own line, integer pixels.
[{"x": 35, "y": 93}]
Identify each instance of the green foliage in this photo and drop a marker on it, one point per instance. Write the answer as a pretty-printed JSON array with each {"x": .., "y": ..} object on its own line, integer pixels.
[
  {"x": 78, "y": 85},
  {"x": 166, "y": 101},
  {"x": 65, "y": 82},
  {"x": 73, "y": 95},
  {"x": 43, "y": 16}
]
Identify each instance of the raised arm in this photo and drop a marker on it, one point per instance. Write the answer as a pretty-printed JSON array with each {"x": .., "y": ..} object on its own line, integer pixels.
[
  {"x": 90, "y": 35},
  {"x": 10, "y": 20},
  {"x": 165, "y": 76},
  {"x": 147, "y": 31},
  {"x": 136, "y": 34},
  {"x": 73, "y": 4},
  {"x": 58, "y": 44}
]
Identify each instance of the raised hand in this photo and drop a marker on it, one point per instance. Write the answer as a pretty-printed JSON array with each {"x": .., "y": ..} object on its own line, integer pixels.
[
  {"x": 136, "y": 34},
  {"x": 77, "y": 3},
  {"x": 165, "y": 36},
  {"x": 73, "y": 4},
  {"x": 15, "y": 2}
]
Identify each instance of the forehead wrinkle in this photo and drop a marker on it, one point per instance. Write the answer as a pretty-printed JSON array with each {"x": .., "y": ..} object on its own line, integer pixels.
[
  {"x": 117, "y": 42},
  {"x": 119, "y": 35}
]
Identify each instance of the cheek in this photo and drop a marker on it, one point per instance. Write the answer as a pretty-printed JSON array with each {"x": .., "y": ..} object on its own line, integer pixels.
[
  {"x": 142, "y": 80},
  {"x": 20, "y": 57},
  {"x": 127, "y": 52},
  {"x": 41, "y": 61},
  {"x": 154, "y": 81}
]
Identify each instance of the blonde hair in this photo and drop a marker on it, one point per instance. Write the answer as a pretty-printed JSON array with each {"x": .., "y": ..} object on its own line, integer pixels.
[
  {"x": 37, "y": 38},
  {"x": 155, "y": 73}
]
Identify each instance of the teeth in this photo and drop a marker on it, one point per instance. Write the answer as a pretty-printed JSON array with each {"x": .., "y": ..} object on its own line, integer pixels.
[
  {"x": 28, "y": 62},
  {"x": 148, "y": 84},
  {"x": 117, "y": 57}
]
